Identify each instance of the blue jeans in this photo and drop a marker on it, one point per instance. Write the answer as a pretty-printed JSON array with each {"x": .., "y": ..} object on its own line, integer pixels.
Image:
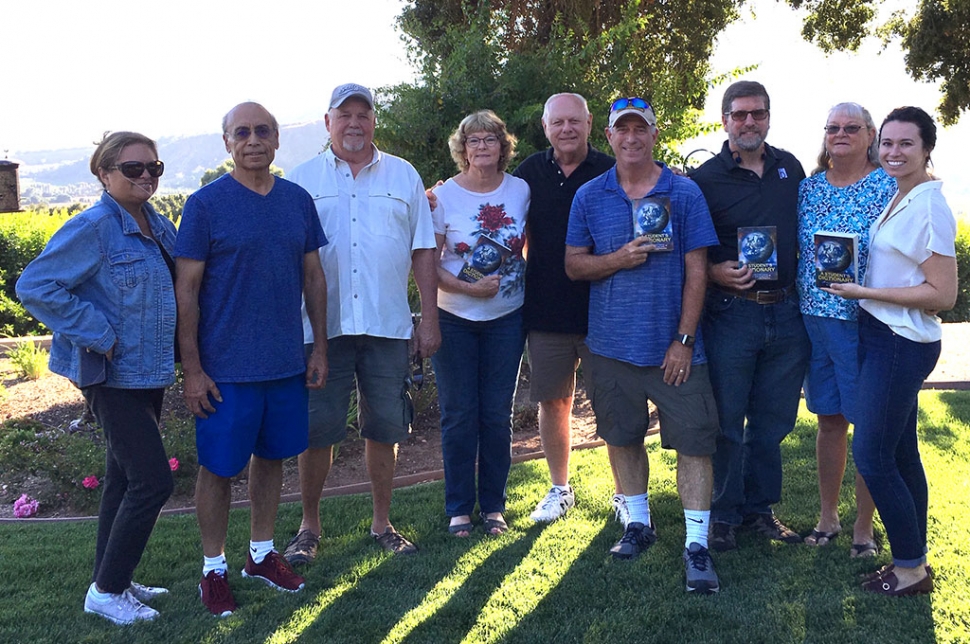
[
  {"x": 476, "y": 370},
  {"x": 885, "y": 444},
  {"x": 757, "y": 354}
]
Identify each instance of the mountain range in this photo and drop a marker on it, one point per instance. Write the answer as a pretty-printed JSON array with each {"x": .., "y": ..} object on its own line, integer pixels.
[{"x": 186, "y": 158}]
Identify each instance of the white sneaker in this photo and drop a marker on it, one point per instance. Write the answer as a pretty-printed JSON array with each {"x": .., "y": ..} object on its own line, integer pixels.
[
  {"x": 555, "y": 505},
  {"x": 120, "y": 609},
  {"x": 145, "y": 593},
  {"x": 620, "y": 510}
]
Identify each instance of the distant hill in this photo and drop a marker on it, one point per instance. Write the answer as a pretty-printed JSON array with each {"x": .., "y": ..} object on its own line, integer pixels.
[{"x": 186, "y": 158}]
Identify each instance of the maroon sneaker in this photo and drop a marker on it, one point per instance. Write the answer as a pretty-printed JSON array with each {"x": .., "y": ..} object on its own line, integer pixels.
[
  {"x": 216, "y": 595},
  {"x": 275, "y": 571}
]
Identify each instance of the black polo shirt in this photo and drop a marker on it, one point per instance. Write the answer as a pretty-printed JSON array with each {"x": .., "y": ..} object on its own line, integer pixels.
[
  {"x": 738, "y": 197},
  {"x": 553, "y": 302}
]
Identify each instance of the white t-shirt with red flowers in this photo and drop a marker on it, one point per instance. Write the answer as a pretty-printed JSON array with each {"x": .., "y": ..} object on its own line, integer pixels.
[{"x": 464, "y": 218}]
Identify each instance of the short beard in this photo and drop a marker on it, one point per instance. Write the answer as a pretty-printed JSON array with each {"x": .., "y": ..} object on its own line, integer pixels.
[{"x": 746, "y": 145}]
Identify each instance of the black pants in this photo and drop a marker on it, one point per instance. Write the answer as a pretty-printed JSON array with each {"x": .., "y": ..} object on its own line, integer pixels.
[{"x": 137, "y": 479}]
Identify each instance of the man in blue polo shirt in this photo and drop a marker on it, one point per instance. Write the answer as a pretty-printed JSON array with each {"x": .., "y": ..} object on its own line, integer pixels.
[{"x": 645, "y": 305}]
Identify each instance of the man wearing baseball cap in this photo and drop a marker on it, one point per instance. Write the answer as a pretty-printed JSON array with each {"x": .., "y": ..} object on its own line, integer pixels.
[
  {"x": 646, "y": 296},
  {"x": 374, "y": 211}
]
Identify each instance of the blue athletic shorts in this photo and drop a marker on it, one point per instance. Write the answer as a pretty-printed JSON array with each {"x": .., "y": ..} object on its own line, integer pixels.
[
  {"x": 266, "y": 419},
  {"x": 833, "y": 370}
]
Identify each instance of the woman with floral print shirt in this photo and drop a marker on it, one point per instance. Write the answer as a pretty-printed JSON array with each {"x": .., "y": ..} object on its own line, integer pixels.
[{"x": 480, "y": 229}]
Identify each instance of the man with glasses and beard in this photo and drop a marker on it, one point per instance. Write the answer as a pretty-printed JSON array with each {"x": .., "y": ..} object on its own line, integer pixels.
[
  {"x": 757, "y": 344},
  {"x": 373, "y": 208}
]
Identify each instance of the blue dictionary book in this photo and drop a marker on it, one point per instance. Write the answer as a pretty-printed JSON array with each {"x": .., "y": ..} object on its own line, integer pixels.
[
  {"x": 651, "y": 219},
  {"x": 836, "y": 258},
  {"x": 758, "y": 250},
  {"x": 486, "y": 259}
]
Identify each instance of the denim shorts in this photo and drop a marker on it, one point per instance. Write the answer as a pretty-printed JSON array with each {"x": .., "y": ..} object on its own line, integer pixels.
[
  {"x": 619, "y": 392},
  {"x": 379, "y": 369},
  {"x": 553, "y": 359},
  {"x": 831, "y": 383},
  {"x": 265, "y": 419}
]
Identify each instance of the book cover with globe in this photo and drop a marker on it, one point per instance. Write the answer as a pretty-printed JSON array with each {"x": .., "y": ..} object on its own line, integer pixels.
[
  {"x": 651, "y": 219},
  {"x": 486, "y": 258},
  {"x": 757, "y": 249},
  {"x": 836, "y": 258}
]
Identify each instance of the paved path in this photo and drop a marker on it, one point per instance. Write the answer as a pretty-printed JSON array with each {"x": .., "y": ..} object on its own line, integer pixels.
[{"x": 953, "y": 369}]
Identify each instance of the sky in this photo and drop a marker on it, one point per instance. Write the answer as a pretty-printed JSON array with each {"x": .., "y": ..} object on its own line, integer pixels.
[{"x": 174, "y": 68}]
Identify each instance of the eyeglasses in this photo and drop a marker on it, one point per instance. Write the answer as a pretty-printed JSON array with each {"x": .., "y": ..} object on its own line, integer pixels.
[
  {"x": 848, "y": 129},
  {"x": 474, "y": 141},
  {"x": 243, "y": 133},
  {"x": 740, "y": 116},
  {"x": 134, "y": 169},
  {"x": 417, "y": 372}
]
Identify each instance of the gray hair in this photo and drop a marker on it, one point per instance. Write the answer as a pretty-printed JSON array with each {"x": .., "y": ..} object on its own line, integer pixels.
[
  {"x": 852, "y": 110},
  {"x": 579, "y": 97}
]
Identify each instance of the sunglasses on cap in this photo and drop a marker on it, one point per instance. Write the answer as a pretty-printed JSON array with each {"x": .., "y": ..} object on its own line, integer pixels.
[
  {"x": 134, "y": 169},
  {"x": 416, "y": 379},
  {"x": 262, "y": 132},
  {"x": 632, "y": 102}
]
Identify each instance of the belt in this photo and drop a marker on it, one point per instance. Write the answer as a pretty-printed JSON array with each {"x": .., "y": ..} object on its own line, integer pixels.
[{"x": 761, "y": 297}]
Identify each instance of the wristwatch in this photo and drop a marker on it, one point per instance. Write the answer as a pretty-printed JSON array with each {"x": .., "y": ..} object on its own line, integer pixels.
[{"x": 686, "y": 340}]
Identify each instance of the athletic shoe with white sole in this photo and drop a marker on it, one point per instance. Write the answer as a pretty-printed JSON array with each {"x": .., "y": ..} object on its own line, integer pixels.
[
  {"x": 121, "y": 608},
  {"x": 275, "y": 571},
  {"x": 216, "y": 594},
  {"x": 699, "y": 566},
  {"x": 555, "y": 505},
  {"x": 144, "y": 593}
]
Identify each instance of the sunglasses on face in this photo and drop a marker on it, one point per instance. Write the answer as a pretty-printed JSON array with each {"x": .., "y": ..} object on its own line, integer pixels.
[
  {"x": 740, "y": 116},
  {"x": 134, "y": 169},
  {"x": 243, "y": 133},
  {"x": 848, "y": 129},
  {"x": 632, "y": 102}
]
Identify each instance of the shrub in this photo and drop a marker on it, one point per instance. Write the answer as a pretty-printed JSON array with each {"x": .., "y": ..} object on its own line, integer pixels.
[
  {"x": 22, "y": 236},
  {"x": 961, "y": 310},
  {"x": 29, "y": 359}
]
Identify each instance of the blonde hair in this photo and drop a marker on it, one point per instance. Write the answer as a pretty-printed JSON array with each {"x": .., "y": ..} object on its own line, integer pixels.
[{"x": 481, "y": 121}]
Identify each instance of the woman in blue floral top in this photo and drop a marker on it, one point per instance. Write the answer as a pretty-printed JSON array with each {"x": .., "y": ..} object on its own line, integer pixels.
[
  {"x": 845, "y": 194},
  {"x": 479, "y": 223}
]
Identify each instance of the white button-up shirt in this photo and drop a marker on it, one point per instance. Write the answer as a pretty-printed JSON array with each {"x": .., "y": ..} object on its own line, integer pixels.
[{"x": 373, "y": 221}]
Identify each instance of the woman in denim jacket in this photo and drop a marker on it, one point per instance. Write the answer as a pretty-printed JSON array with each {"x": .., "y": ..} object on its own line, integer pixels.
[{"x": 103, "y": 285}]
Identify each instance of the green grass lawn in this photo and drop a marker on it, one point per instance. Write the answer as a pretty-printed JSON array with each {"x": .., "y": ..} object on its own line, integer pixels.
[{"x": 553, "y": 583}]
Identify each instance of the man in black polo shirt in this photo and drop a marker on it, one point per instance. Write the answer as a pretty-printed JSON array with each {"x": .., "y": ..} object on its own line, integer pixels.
[
  {"x": 556, "y": 309},
  {"x": 757, "y": 346}
]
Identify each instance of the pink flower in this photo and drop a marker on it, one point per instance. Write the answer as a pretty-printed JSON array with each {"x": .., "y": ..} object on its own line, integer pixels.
[
  {"x": 173, "y": 463},
  {"x": 492, "y": 217},
  {"x": 91, "y": 482},
  {"x": 25, "y": 507}
]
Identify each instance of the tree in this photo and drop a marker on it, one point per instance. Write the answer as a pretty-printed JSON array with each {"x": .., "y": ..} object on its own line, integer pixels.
[
  {"x": 510, "y": 55},
  {"x": 226, "y": 167},
  {"x": 936, "y": 40}
]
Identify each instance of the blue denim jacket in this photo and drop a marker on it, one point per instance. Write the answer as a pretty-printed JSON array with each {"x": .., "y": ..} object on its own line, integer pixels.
[{"x": 100, "y": 282}]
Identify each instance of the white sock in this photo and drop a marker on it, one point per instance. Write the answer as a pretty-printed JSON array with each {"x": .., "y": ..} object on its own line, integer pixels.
[
  {"x": 639, "y": 507},
  {"x": 697, "y": 522},
  {"x": 100, "y": 594},
  {"x": 562, "y": 488},
  {"x": 217, "y": 563},
  {"x": 259, "y": 549}
]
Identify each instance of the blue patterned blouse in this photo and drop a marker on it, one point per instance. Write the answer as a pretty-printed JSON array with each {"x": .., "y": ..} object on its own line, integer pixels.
[{"x": 849, "y": 209}]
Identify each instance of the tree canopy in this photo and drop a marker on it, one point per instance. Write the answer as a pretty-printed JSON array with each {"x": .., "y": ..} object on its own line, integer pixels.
[
  {"x": 936, "y": 39},
  {"x": 510, "y": 55}
]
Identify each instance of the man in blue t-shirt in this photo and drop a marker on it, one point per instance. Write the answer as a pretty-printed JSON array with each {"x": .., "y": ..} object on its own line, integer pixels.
[
  {"x": 245, "y": 254},
  {"x": 646, "y": 296}
]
